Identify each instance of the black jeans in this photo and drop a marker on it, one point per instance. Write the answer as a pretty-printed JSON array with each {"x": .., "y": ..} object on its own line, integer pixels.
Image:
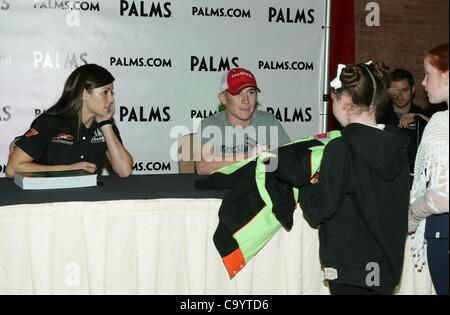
[{"x": 437, "y": 254}]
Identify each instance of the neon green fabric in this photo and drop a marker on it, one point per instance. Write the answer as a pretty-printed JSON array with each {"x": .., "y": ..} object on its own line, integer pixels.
[{"x": 256, "y": 233}]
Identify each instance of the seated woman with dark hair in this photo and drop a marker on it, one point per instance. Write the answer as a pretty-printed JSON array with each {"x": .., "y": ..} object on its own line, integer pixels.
[{"x": 78, "y": 132}]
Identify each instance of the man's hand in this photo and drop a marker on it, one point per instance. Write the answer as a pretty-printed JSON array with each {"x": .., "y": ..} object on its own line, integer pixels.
[
  {"x": 407, "y": 121},
  {"x": 395, "y": 93},
  {"x": 258, "y": 150},
  {"x": 315, "y": 179}
]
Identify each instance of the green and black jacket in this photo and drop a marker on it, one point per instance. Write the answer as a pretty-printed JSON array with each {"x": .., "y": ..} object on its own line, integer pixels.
[{"x": 262, "y": 198}]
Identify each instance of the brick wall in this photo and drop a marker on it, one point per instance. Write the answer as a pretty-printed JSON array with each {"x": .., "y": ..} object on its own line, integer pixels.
[{"x": 408, "y": 29}]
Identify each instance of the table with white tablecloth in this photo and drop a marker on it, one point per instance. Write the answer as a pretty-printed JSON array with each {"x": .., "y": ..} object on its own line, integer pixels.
[{"x": 147, "y": 235}]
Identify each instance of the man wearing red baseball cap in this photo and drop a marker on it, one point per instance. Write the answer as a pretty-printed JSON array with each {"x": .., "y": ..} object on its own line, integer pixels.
[{"x": 239, "y": 132}]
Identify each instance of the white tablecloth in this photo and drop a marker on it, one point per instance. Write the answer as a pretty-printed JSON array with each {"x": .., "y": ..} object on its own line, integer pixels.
[{"x": 152, "y": 247}]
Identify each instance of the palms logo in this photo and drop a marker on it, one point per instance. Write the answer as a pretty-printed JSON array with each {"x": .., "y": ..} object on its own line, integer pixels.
[
  {"x": 59, "y": 60},
  {"x": 4, "y": 5},
  {"x": 2, "y": 169},
  {"x": 5, "y": 60},
  {"x": 5, "y": 113}
]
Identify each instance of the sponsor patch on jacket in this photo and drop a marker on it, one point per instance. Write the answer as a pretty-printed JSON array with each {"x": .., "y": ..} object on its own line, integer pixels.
[
  {"x": 31, "y": 133},
  {"x": 322, "y": 136},
  {"x": 63, "y": 138},
  {"x": 98, "y": 137},
  {"x": 330, "y": 274}
]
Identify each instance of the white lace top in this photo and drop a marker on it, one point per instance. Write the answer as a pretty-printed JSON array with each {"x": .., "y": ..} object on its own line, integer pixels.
[{"x": 429, "y": 193}]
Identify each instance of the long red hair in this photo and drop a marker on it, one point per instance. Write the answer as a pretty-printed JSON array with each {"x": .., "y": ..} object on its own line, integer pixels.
[{"x": 438, "y": 57}]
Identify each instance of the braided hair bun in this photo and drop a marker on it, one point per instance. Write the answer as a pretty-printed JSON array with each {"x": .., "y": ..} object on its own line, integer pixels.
[{"x": 366, "y": 84}]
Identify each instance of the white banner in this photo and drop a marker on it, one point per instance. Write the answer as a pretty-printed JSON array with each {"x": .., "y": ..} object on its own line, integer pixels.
[{"x": 167, "y": 57}]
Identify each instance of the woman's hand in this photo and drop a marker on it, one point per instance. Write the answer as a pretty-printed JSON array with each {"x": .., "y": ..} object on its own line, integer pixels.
[
  {"x": 109, "y": 112},
  {"x": 12, "y": 146},
  {"x": 22, "y": 162},
  {"x": 86, "y": 166}
]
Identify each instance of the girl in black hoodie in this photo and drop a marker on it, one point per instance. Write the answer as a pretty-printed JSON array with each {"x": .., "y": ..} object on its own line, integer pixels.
[{"x": 360, "y": 203}]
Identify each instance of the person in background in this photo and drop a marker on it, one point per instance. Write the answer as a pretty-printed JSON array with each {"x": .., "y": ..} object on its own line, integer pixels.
[
  {"x": 239, "y": 132},
  {"x": 360, "y": 200},
  {"x": 402, "y": 111},
  {"x": 77, "y": 133},
  {"x": 429, "y": 209}
]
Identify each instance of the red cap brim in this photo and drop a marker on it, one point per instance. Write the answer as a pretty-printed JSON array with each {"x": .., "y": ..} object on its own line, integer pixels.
[{"x": 237, "y": 90}]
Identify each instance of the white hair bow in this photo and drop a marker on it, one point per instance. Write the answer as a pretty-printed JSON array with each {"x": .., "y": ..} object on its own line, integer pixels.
[{"x": 336, "y": 83}]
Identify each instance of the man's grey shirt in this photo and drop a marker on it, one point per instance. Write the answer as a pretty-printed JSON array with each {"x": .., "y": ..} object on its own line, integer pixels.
[{"x": 264, "y": 129}]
